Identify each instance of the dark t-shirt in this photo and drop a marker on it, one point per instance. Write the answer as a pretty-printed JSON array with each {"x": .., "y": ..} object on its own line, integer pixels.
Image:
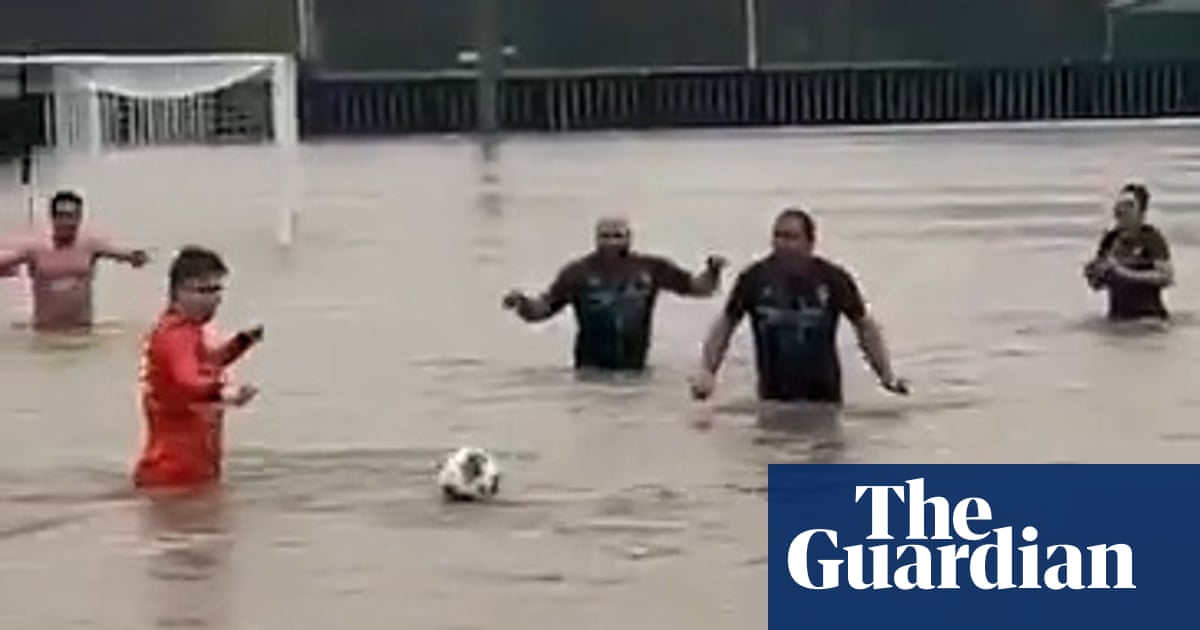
[
  {"x": 794, "y": 313},
  {"x": 1138, "y": 251},
  {"x": 614, "y": 302}
]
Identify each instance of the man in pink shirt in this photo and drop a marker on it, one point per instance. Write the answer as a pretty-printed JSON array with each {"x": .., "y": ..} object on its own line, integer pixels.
[{"x": 61, "y": 270}]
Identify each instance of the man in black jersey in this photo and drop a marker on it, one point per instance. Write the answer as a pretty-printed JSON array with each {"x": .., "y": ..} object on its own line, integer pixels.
[
  {"x": 613, "y": 291},
  {"x": 1132, "y": 262},
  {"x": 794, "y": 299}
]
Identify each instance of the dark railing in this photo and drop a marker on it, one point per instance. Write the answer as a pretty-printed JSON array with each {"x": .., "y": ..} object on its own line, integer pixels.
[
  {"x": 528, "y": 101},
  {"x": 373, "y": 105}
]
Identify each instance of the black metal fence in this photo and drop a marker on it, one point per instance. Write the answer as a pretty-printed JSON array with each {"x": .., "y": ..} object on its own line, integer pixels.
[{"x": 657, "y": 99}]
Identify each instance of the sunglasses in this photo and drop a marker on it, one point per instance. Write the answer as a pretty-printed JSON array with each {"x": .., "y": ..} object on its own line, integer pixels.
[
  {"x": 789, "y": 234},
  {"x": 205, "y": 289},
  {"x": 613, "y": 235}
]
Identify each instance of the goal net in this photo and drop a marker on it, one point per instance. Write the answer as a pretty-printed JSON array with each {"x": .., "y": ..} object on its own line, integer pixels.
[{"x": 163, "y": 131}]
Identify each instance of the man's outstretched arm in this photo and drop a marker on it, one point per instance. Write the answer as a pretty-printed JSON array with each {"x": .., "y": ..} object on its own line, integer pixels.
[
  {"x": 678, "y": 280},
  {"x": 546, "y": 305},
  {"x": 9, "y": 261},
  {"x": 134, "y": 257}
]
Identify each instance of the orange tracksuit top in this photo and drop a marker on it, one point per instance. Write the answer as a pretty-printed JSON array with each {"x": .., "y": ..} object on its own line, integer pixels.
[{"x": 181, "y": 380}]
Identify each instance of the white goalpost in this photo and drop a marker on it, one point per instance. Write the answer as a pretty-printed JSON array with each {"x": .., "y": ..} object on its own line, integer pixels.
[{"x": 99, "y": 108}]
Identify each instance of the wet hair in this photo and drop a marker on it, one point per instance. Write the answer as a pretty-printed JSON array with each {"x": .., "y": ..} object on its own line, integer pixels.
[
  {"x": 1140, "y": 193},
  {"x": 65, "y": 196},
  {"x": 806, "y": 221},
  {"x": 194, "y": 261}
]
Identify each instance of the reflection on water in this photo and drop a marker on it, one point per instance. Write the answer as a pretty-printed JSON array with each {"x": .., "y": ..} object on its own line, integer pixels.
[
  {"x": 188, "y": 539},
  {"x": 790, "y": 433},
  {"x": 625, "y": 503},
  {"x": 818, "y": 427}
]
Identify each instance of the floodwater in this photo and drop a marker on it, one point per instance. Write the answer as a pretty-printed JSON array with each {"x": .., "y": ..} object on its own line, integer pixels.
[{"x": 624, "y": 504}]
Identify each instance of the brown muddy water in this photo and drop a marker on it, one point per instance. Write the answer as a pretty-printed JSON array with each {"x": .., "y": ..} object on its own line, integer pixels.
[{"x": 386, "y": 347}]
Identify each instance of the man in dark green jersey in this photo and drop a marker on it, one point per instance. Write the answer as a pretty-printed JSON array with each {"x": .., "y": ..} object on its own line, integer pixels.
[{"x": 612, "y": 291}]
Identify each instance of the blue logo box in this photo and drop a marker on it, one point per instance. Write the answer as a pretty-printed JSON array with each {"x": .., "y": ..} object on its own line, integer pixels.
[{"x": 983, "y": 546}]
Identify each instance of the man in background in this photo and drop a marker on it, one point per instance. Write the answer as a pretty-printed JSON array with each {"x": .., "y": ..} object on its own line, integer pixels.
[
  {"x": 1132, "y": 261},
  {"x": 62, "y": 268}
]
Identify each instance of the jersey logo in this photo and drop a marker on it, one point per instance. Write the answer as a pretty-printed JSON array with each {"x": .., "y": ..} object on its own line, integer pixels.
[
  {"x": 643, "y": 282},
  {"x": 823, "y": 295}
]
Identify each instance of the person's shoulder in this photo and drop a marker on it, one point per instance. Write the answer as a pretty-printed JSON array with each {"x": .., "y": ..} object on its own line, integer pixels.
[
  {"x": 757, "y": 265},
  {"x": 171, "y": 326},
  {"x": 580, "y": 263},
  {"x": 753, "y": 275},
  {"x": 1153, "y": 238},
  {"x": 572, "y": 265},
  {"x": 584, "y": 260},
  {"x": 755, "y": 268},
  {"x": 648, "y": 258},
  {"x": 1150, "y": 230},
  {"x": 573, "y": 269},
  {"x": 1108, "y": 237},
  {"x": 833, "y": 269},
  {"x": 94, "y": 240}
]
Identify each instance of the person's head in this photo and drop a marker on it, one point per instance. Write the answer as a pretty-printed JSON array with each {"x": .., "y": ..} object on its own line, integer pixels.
[
  {"x": 1129, "y": 210},
  {"x": 613, "y": 236},
  {"x": 66, "y": 213},
  {"x": 794, "y": 234},
  {"x": 196, "y": 282}
]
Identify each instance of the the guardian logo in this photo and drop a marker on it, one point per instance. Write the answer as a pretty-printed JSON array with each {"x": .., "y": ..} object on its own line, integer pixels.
[{"x": 987, "y": 559}]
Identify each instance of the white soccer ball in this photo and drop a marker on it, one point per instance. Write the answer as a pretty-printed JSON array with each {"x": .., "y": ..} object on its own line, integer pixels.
[{"x": 469, "y": 474}]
